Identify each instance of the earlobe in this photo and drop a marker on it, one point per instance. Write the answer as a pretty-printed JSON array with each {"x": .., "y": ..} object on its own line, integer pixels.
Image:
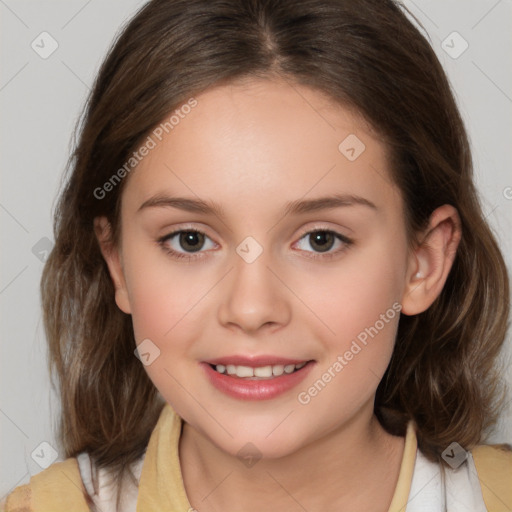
[
  {"x": 432, "y": 260},
  {"x": 112, "y": 257}
]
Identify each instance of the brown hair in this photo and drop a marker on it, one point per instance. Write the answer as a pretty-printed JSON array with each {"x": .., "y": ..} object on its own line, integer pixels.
[{"x": 363, "y": 53}]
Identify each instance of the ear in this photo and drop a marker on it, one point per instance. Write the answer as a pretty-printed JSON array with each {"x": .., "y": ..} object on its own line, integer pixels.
[
  {"x": 431, "y": 260},
  {"x": 113, "y": 259}
]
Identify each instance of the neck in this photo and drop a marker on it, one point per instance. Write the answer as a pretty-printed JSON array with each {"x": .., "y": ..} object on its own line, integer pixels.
[{"x": 352, "y": 467}]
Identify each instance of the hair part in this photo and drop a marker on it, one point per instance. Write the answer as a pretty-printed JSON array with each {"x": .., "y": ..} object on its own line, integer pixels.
[{"x": 366, "y": 54}]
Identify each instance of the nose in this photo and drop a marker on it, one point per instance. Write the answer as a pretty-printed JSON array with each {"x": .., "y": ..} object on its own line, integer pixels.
[{"x": 254, "y": 297}]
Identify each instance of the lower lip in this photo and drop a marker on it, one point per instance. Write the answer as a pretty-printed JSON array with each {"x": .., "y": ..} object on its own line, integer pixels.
[{"x": 264, "y": 389}]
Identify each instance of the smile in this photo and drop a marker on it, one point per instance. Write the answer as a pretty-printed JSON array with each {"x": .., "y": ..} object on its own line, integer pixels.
[
  {"x": 261, "y": 379},
  {"x": 260, "y": 372}
]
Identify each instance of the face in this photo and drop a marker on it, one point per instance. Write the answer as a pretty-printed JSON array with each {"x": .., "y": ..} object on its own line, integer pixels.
[{"x": 295, "y": 260}]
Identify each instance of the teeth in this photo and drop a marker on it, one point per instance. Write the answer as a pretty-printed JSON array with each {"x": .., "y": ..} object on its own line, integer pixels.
[
  {"x": 259, "y": 372},
  {"x": 277, "y": 370},
  {"x": 244, "y": 371},
  {"x": 263, "y": 371},
  {"x": 289, "y": 368}
]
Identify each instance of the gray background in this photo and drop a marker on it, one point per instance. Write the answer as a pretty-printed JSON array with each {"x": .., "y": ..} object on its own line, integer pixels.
[{"x": 40, "y": 100}]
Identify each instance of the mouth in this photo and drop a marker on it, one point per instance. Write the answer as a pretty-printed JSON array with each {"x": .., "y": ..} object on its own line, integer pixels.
[
  {"x": 256, "y": 378},
  {"x": 259, "y": 372}
]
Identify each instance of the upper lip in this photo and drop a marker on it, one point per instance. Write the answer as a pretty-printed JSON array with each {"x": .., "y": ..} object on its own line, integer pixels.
[{"x": 255, "y": 361}]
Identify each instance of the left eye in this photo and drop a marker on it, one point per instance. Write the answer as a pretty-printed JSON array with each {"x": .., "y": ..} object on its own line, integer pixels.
[{"x": 322, "y": 240}]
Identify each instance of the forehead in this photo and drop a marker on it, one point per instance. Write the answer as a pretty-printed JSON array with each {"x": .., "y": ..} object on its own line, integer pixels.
[{"x": 257, "y": 140}]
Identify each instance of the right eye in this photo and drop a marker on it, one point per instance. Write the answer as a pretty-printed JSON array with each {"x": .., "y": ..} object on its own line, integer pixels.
[{"x": 190, "y": 240}]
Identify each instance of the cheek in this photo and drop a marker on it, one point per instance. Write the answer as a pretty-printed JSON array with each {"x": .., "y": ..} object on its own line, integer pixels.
[
  {"x": 156, "y": 308},
  {"x": 359, "y": 302},
  {"x": 165, "y": 305},
  {"x": 363, "y": 320},
  {"x": 162, "y": 294},
  {"x": 353, "y": 295}
]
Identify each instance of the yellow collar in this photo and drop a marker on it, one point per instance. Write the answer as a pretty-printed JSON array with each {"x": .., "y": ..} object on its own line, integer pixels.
[{"x": 161, "y": 485}]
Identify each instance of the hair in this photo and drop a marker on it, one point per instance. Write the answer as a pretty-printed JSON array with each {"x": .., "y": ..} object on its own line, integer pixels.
[{"x": 365, "y": 54}]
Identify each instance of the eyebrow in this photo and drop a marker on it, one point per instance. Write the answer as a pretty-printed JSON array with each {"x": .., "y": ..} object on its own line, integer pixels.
[{"x": 291, "y": 208}]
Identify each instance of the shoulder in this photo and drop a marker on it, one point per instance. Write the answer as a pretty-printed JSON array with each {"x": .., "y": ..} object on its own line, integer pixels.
[
  {"x": 52, "y": 490},
  {"x": 493, "y": 464},
  {"x": 480, "y": 481}
]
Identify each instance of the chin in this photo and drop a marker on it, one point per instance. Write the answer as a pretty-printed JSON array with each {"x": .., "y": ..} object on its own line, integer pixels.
[{"x": 259, "y": 441}]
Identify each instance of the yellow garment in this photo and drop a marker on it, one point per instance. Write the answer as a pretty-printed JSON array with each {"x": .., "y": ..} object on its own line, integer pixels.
[
  {"x": 161, "y": 483},
  {"x": 494, "y": 468},
  {"x": 59, "y": 488}
]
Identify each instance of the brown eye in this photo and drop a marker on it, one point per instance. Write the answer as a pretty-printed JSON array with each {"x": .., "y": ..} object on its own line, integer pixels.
[
  {"x": 183, "y": 243},
  {"x": 191, "y": 240},
  {"x": 322, "y": 240}
]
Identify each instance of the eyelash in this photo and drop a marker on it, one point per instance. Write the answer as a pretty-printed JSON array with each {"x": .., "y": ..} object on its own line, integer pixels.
[{"x": 189, "y": 257}]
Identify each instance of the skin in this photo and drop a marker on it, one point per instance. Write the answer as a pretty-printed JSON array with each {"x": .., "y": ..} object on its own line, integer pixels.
[{"x": 253, "y": 146}]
